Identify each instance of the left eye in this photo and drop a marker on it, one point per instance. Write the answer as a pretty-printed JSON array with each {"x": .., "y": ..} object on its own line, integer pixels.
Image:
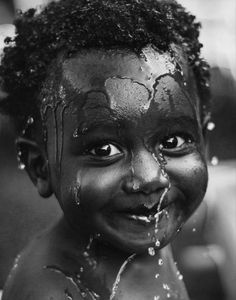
[
  {"x": 175, "y": 141},
  {"x": 104, "y": 150}
]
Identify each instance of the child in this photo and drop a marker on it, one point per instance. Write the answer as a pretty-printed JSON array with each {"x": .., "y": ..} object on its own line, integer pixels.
[{"x": 110, "y": 100}]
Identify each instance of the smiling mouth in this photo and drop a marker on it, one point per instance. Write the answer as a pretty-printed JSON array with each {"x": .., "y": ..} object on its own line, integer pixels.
[{"x": 143, "y": 214}]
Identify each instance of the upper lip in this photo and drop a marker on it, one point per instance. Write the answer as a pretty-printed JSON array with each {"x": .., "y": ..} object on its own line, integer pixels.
[
  {"x": 141, "y": 205},
  {"x": 142, "y": 210}
]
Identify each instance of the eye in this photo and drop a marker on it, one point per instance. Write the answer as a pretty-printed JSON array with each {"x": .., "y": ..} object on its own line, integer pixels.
[
  {"x": 175, "y": 142},
  {"x": 106, "y": 150}
]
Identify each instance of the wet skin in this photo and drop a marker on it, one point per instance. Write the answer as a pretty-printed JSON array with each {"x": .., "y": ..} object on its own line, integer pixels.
[
  {"x": 126, "y": 158},
  {"x": 129, "y": 129}
]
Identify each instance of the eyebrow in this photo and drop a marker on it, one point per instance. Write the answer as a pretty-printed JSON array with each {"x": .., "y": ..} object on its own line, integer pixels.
[
  {"x": 182, "y": 121},
  {"x": 98, "y": 123},
  {"x": 111, "y": 123}
]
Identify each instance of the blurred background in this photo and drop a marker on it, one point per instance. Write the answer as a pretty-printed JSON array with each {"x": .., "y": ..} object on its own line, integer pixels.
[{"x": 205, "y": 249}]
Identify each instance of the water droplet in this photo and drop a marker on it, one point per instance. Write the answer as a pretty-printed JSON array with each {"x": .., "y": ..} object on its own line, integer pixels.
[
  {"x": 156, "y": 298},
  {"x": 85, "y": 254},
  {"x": 157, "y": 243},
  {"x": 185, "y": 83},
  {"x": 160, "y": 262},
  {"x": 68, "y": 295},
  {"x": 21, "y": 166},
  {"x": 84, "y": 130},
  {"x": 214, "y": 161},
  {"x": 76, "y": 133},
  {"x": 166, "y": 286},
  {"x": 89, "y": 243},
  {"x": 30, "y": 120},
  {"x": 180, "y": 277},
  {"x": 157, "y": 275},
  {"x": 151, "y": 251},
  {"x": 97, "y": 235},
  {"x": 168, "y": 295},
  {"x": 136, "y": 186},
  {"x": 211, "y": 126}
]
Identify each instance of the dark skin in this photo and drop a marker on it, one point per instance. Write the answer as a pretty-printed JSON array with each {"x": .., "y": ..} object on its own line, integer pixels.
[{"x": 126, "y": 163}]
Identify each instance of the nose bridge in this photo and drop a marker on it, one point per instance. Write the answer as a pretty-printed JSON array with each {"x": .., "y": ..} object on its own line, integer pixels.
[{"x": 147, "y": 175}]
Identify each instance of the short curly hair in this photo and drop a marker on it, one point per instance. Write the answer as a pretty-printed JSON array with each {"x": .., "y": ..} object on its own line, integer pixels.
[{"x": 71, "y": 25}]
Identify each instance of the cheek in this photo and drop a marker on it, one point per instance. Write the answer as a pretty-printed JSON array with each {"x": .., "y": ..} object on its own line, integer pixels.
[
  {"x": 189, "y": 174},
  {"x": 98, "y": 186}
]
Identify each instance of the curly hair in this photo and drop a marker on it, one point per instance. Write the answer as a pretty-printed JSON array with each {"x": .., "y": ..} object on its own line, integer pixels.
[{"x": 70, "y": 25}]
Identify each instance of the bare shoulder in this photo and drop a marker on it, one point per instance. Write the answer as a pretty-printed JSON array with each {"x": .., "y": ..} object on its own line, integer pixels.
[
  {"x": 40, "y": 285},
  {"x": 38, "y": 273}
]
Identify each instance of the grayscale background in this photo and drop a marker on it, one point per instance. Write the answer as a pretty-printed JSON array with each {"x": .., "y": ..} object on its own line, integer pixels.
[{"x": 205, "y": 249}]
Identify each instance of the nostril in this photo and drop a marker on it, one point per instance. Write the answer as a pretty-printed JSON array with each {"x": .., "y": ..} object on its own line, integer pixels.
[
  {"x": 148, "y": 185},
  {"x": 146, "y": 174}
]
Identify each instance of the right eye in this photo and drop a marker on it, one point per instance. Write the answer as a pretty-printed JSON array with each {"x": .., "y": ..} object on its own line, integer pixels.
[{"x": 105, "y": 150}]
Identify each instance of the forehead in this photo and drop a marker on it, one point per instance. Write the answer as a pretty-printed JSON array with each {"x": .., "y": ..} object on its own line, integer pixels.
[{"x": 127, "y": 84}]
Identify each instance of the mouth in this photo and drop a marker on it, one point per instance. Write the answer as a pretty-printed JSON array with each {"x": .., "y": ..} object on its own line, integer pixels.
[{"x": 144, "y": 214}]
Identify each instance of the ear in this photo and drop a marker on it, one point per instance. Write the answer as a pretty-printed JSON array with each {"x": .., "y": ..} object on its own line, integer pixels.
[{"x": 36, "y": 165}]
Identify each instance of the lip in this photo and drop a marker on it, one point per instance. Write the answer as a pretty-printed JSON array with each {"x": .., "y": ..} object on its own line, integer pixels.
[
  {"x": 138, "y": 204},
  {"x": 137, "y": 210},
  {"x": 148, "y": 215}
]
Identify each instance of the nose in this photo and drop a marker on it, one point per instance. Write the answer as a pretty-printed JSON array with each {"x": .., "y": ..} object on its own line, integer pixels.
[{"x": 146, "y": 174}]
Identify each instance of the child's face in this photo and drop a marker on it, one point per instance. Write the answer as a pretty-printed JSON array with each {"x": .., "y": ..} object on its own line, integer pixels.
[{"x": 126, "y": 128}]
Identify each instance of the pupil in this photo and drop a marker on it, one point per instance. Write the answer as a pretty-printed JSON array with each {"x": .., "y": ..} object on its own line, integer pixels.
[
  {"x": 103, "y": 151},
  {"x": 171, "y": 143}
]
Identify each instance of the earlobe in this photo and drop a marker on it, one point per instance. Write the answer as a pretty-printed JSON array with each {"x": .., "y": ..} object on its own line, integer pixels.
[{"x": 36, "y": 165}]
